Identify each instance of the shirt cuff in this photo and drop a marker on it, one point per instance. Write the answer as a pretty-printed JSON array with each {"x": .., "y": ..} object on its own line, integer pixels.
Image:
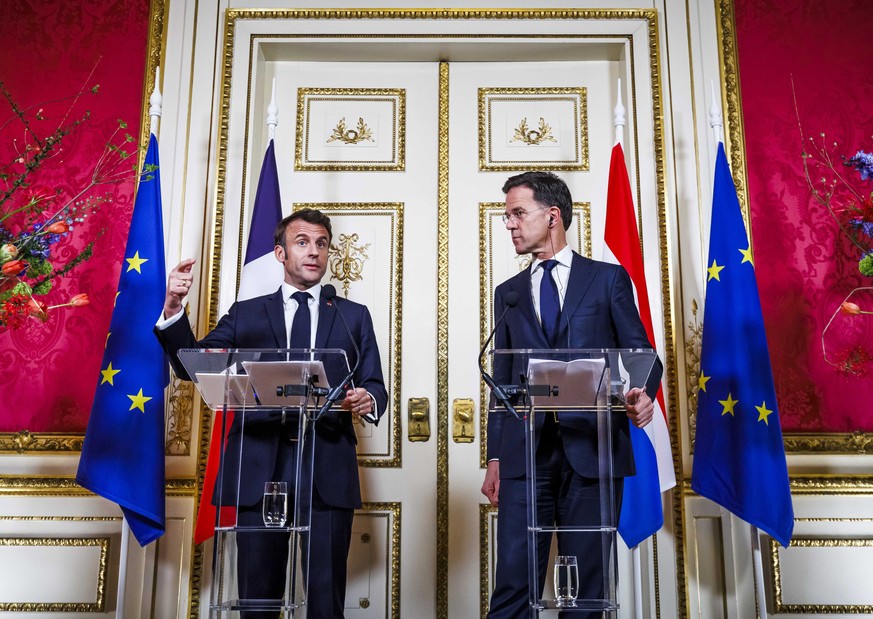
[
  {"x": 374, "y": 416},
  {"x": 163, "y": 323}
]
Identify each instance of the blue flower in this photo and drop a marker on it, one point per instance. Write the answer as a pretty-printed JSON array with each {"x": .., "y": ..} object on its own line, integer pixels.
[{"x": 863, "y": 163}]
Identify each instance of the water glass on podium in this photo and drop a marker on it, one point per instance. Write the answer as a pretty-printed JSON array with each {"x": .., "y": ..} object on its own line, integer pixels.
[
  {"x": 275, "y": 503},
  {"x": 566, "y": 578}
]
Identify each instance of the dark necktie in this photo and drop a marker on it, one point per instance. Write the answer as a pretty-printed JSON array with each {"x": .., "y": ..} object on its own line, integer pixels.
[
  {"x": 301, "y": 326},
  {"x": 550, "y": 302}
]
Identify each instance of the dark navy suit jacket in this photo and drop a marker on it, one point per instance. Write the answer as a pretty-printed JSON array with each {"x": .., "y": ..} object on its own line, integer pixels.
[
  {"x": 260, "y": 323},
  {"x": 598, "y": 312}
]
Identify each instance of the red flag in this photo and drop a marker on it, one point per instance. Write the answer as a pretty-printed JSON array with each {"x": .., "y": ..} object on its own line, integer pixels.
[
  {"x": 205, "y": 526},
  {"x": 642, "y": 514}
]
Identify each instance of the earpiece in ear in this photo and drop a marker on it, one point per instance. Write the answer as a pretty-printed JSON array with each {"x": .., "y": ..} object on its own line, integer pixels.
[{"x": 551, "y": 221}]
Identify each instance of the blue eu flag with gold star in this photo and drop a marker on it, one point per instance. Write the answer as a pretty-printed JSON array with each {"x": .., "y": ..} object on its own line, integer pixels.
[
  {"x": 123, "y": 454},
  {"x": 739, "y": 456}
]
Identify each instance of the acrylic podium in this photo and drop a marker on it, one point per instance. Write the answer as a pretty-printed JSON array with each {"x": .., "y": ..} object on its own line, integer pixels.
[
  {"x": 260, "y": 396},
  {"x": 573, "y": 398}
]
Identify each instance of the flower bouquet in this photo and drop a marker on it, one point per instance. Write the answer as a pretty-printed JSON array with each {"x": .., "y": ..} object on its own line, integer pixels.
[{"x": 35, "y": 221}]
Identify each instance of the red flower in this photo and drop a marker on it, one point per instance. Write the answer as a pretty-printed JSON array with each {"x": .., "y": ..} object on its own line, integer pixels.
[
  {"x": 37, "y": 309},
  {"x": 14, "y": 267},
  {"x": 79, "y": 300},
  {"x": 59, "y": 227},
  {"x": 850, "y": 308}
]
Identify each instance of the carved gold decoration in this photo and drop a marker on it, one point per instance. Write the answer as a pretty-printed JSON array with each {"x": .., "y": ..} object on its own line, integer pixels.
[
  {"x": 813, "y": 609},
  {"x": 442, "y": 404},
  {"x": 576, "y": 96},
  {"x": 306, "y": 97},
  {"x": 487, "y": 212},
  {"x": 419, "y": 420},
  {"x": 351, "y": 136},
  {"x": 692, "y": 369},
  {"x": 67, "y": 486},
  {"x": 395, "y": 211},
  {"x": 99, "y": 603},
  {"x": 392, "y": 511},
  {"x": 346, "y": 260},
  {"x": 180, "y": 412},
  {"x": 532, "y": 137},
  {"x": 27, "y": 442}
]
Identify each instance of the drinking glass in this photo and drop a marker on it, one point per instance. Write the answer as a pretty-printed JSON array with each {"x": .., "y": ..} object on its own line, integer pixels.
[
  {"x": 566, "y": 581},
  {"x": 275, "y": 503}
]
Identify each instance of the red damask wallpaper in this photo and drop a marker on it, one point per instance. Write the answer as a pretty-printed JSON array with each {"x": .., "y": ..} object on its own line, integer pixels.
[
  {"x": 805, "y": 265},
  {"x": 48, "y": 372}
]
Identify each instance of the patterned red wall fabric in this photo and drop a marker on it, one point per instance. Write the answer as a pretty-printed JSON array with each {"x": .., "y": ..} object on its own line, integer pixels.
[
  {"x": 48, "y": 372},
  {"x": 804, "y": 264}
]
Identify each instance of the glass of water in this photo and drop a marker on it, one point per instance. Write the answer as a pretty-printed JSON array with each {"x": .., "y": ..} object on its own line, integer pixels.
[
  {"x": 566, "y": 581},
  {"x": 275, "y": 503}
]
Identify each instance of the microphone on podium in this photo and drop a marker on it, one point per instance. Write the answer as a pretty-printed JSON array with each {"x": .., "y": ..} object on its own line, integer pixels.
[
  {"x": 328, "y": 291},
  {"x": 509, "y": 301}
]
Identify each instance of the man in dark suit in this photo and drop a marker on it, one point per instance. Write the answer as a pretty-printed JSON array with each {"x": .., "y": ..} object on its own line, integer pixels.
[
  {"x": 565, "y": 301},
  {"x": 295, "y": 316}
]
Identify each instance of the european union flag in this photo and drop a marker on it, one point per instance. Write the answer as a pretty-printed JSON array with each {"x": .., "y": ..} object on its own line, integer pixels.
[
  {"x": 123, "y": 454},
  {"x": 739, "y": 457}
]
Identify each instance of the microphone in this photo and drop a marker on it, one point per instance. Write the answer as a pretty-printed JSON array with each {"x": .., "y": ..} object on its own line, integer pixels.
[
  {"x": 328, "y": 291},
  {"x": 510, "y": 301}
]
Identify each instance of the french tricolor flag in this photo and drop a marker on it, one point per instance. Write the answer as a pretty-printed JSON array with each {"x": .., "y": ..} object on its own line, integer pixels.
[
  {"x": 261, "y": 274},
  {"x": 642, "y": 513}
]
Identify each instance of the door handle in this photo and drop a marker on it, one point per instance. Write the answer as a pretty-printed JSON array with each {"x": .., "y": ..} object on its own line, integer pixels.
[
  {"x": 418, "y": 411},
  {"x": 463, "y": 414}
]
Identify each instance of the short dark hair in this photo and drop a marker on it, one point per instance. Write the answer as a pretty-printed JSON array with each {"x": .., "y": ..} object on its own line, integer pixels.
[
  {"x": 548, "y": 189},
  {"x": 309, "y": 215}
]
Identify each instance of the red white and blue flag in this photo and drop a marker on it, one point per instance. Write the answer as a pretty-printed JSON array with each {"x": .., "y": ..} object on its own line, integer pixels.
[
  {"x": 642, "y": 513},
  {"x": 261, "y": 274}
]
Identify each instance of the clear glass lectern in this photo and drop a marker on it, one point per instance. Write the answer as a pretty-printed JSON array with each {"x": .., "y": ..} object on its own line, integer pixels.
[
  {"x": 571, "y": 400},
  {"x": 266, "y": 401}
]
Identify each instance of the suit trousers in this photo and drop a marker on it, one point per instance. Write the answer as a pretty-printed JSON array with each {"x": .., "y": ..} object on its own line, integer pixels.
[
  {"x": 563, "y": 497},
  {"x": 262, "y": 556}
]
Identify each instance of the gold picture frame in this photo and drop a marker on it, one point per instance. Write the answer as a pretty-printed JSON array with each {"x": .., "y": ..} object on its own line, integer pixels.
[
  {"x": 526, "y": 128},
  {"x": 350, "y": 129}
]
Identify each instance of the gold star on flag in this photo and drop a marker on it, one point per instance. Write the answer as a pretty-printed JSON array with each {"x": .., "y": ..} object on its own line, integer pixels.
[
  {"x": 108, "y": 374},
  {"x": 728, "y": 405},
  {"x": 135, "y": 262},
  {"x": 115, "y": 303},
  {"x": 747, "y": 256},
  {"x": 701, "y": 382},
  {"x": 714, "y": 270},
  {"x": 138, "y": 401},
  {"x": 764, "y": 412},
  {"x": 106, "y": 345}
]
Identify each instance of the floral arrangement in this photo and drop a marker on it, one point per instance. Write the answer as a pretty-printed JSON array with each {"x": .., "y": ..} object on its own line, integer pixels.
[
  {"x": 849, "y": 200},
  {"x": 36, "y": 220}
]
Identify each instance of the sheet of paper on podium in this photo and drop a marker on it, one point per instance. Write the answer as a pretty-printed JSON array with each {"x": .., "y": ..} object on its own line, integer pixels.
[
  {"x": 267, "y": 376},
  {"x": 579, "y": 381},
  {"x": 211, "y": 386}
]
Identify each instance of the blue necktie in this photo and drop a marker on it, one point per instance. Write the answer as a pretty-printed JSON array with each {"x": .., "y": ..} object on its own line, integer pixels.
[
  {"x": 301, "y": 326},
  {"x": 550, "y": 302}
]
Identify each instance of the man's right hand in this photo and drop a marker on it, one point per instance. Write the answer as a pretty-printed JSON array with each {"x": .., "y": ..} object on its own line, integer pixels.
[
  {"x": 491, "y": 485},
  {"x": 178, "y": 285}
]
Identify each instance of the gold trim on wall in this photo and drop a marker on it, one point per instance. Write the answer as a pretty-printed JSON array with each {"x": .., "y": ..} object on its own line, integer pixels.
[
  {"x": 578, "y": 95},
  {"x": 99, "y": 603},
  {"x": 395, "y": 324},
  {"x": 395, "y": 96},
  {"x": 813, "y": 609},
  {"x": 487, "y": 554},
  {"x": 392, "y": 559}
]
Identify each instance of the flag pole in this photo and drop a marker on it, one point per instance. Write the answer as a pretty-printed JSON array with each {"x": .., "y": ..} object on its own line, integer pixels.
[
  {"x": 717, "y": 124},
  {"x": 272, "y": 114},
  {"x": 619, "y": 121}
]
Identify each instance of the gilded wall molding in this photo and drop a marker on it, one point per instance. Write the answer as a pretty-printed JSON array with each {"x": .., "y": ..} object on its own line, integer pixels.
[
  {"x": 61, "y": 486},
  {"x": 392, "y": 511},
  {"x": 395, "y": 369},
  {"x": 99, "y": 603},
  {"x": 813, "y": 609}
]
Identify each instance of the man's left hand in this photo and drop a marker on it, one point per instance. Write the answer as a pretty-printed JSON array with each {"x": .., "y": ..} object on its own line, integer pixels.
[
  {"x": 639, "y": 406},
  {"x": 358, "y": 402}
]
